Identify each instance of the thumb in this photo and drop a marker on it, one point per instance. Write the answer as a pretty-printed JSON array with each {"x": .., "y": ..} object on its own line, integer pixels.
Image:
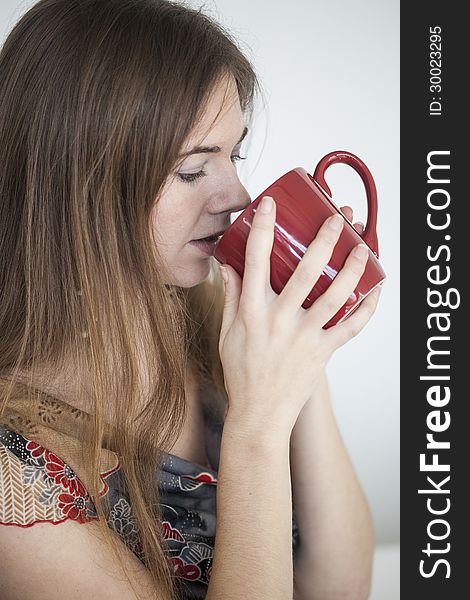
[{"x": 232, "y": 286}]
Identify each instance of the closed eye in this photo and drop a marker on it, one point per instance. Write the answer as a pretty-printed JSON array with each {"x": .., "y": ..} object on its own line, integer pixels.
[{"x": 192, "y": 177}]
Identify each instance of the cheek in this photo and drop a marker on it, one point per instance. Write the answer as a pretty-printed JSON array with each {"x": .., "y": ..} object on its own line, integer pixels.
[
  {"x": 175, "y": 218},
  {"x": 171, "y": 231}
]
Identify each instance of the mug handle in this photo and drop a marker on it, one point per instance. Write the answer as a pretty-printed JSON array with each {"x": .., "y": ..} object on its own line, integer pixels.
[{"x": 369, "y": 235}]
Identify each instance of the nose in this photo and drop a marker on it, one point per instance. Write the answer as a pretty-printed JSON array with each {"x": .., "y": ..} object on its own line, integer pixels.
[
  {"x": 233, "y": 197},
  {"x": 243, "y": 200}
]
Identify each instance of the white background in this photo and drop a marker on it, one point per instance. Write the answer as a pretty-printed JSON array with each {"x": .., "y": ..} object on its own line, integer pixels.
[{"x": 330, "y": 71}]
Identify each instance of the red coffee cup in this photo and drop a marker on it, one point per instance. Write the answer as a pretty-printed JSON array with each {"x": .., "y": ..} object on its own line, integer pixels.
[{"x": 303, "y": 203}]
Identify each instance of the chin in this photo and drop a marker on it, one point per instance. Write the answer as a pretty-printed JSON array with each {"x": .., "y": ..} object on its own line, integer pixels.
[{"x": 187, "y": 277}]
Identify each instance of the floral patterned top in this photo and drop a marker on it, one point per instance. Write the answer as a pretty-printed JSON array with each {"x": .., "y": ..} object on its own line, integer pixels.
[{"x": 37, "y": 485}]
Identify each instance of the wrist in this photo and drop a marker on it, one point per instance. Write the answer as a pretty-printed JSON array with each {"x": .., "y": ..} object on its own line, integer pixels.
[
  {"x": 267, "y": 432},
  {"x": 317, "y": 409}
]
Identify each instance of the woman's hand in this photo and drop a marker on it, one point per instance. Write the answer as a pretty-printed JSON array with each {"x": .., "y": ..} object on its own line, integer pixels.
[
  {"x": 348, "y": 213},
  {"x": 271, "y": 348}
]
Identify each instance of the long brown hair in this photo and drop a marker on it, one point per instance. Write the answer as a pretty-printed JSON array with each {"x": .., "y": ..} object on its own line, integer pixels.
[{"x": 97, "y": 98}]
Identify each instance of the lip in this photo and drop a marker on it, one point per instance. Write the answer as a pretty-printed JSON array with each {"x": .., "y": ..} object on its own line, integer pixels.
[
  {"x": 208, "y": 247},
  {"x": 217, "y": 233},
  {"x": 205, "y": 247}
]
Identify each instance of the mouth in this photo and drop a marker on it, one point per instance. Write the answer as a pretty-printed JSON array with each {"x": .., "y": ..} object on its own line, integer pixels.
[
  {"x": 207, "y": 244},
  {"x": 211, "y": 238}
]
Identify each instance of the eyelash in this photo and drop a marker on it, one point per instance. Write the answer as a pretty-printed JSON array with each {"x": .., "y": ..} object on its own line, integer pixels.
[{"x": 192, "y": 177}]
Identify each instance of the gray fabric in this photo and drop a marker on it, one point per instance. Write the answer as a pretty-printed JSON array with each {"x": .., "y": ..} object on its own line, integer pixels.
[{"x": 188, "y": 500}]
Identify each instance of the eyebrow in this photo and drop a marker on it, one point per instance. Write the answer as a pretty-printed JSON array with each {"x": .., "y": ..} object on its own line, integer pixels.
[{"x": 204, "y": 149}]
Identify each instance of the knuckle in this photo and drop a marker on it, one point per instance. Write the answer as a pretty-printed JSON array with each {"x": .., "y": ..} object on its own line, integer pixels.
[
  {"x": 341, "y": 337},
  {"x": 369, "y": 308},
  {"x": 357, "y": 269},
  {"x": 353, "y": 329},
  {"x": 330, "y": 300},
  {"x": 330, "y": 303},
  {"x": 304, "y": 276},
  {"x": 251, "y": 259},
  {"x": 357, "y": 323},
  {"x": 368, "y": 305},
  {"x": 248, "y": 312},
  {"x": 326, "y": 238},
  {"x": 279, "y": 320},
  {"x": 261, "y": 225}
]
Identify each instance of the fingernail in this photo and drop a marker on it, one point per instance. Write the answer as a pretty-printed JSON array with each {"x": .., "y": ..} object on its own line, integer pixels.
[
  {"x": 223, "y": 272},
  {"x": 336, "y": 222},
  {"x": 361, "y": 252},
  {"x": 266, "y": 205}
]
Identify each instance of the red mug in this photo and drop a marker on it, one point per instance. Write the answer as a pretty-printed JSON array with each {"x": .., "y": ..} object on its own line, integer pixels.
[{"x": 303, "y": 203}]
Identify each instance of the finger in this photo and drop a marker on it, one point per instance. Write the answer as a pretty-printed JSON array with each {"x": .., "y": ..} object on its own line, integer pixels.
[
  {"x": 347, "y": 212},
  {"x": 311, "y": 265},
  {"x": 342, "y": 286},
  {"x": 232, "y": 290},
  {"x": 256, "y": 275},
  {"x": 339, "y": 334}
]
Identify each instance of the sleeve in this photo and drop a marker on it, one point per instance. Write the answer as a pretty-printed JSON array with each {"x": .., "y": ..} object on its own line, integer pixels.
[{"x": 36, "y": 486}]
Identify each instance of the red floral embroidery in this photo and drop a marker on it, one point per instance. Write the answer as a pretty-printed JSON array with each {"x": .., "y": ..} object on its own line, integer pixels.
[
  {"x": 171, "y": 533},
  {"x": 73, "y": 507},
  {"x": 203, "y": 477},
  {"x": 36, "y": 450},
  {"x": 63, "y": 474},
  {"x": 190, "y": 572},
  {"x": 63, "y": 486}
]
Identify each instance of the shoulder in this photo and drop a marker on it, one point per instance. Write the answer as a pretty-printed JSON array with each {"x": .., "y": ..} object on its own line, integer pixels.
[{"x": 37, "y": 486}]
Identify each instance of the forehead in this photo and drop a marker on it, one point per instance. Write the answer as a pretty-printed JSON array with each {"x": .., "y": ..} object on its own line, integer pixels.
[{"x": 222, "y": 114}]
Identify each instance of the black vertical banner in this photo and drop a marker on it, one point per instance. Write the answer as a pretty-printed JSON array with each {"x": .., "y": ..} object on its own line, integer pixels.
[{"x": 435, "y": 323}]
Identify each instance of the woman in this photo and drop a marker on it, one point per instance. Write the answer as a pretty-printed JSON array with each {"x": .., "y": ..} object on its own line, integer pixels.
[{"x": 121, "y": 355}]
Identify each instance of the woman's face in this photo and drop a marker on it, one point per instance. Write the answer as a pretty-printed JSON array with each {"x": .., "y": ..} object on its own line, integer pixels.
[{"x": 188, "y": 210}]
